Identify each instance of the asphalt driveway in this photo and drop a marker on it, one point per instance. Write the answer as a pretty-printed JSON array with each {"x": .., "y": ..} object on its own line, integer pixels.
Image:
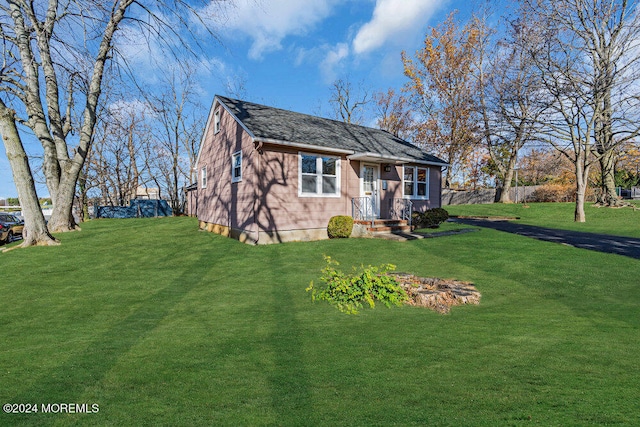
[{"x": 627, "y": 246}]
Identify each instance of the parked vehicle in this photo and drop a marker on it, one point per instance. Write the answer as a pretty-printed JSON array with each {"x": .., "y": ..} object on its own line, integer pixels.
[{"x": 10, "y": 227}]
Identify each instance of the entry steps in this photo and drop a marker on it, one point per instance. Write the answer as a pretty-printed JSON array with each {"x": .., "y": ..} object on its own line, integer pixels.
[{"x": 385, "y": 225}]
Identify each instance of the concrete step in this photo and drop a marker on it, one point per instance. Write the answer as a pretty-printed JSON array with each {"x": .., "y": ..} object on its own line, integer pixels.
[
  {"x": 383, "y": 222},
  {"x": 390, "y": 229}
]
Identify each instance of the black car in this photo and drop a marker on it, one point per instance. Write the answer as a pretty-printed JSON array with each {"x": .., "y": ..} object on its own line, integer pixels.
[{"x": 10, "y": 226}]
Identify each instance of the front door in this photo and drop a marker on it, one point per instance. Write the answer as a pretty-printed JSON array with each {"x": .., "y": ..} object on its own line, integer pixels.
[{"x": 370, "y": 191}]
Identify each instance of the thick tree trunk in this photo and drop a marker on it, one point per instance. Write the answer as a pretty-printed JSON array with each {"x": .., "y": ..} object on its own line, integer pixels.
[
  {"x": 506, "y": 185},
  {"x": 51, "y": 127},
  {"x": 609, "y": 196},
  {"x": 35, "y": 229},
  {"x": 62, "y": 216}
]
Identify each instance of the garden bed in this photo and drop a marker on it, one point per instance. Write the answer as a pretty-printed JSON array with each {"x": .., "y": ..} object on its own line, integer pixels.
[{"x": 437, "y": 294}]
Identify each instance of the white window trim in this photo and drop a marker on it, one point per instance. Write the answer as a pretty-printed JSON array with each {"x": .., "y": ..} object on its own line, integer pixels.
[
  {"x": 318, "y": 193},
  {"x": 216, "y": 121},
  {"x": 415, "y": 183},
  {"x": 233, "y": 163},
  {"x": 203, "y": 177}
]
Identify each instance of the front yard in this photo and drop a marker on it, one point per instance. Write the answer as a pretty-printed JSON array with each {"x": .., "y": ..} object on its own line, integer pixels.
[{"x": 160, "y": 324}]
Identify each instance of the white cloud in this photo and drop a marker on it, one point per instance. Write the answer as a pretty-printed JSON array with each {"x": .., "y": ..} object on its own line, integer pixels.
[
  {"x": 332, "y": 61},
  {"x": 268, "y": 23},
  {"x": 393, "y": 18}
]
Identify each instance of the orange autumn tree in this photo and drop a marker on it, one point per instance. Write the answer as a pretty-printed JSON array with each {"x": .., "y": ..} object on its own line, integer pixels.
[
  {"x": 394, "y": 114},
  {"x": 443, "y": 91}
]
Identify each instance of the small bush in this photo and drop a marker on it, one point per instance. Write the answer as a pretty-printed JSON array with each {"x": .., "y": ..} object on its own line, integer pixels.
[
  {"x": 431, "y": 218},
  {"x": 340, "y": 227},
  {"x": 367, "y": 285},
  {"x": 438, "y": 215}
]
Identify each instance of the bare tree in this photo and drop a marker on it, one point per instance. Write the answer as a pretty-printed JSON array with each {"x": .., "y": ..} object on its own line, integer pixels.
[
  {"x": 587, "y": 57},
  {"x": 54, "y": 58},
  {"x": 116, "y": 165},
  {"x": 509, "y": 89},
  {"x": 33, "y": 33},
  {"x": 348, "y": 103},
  {"x": 177, "y": 136}
]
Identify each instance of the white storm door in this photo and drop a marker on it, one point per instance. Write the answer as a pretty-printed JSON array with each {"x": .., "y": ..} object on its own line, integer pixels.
[{"x": 370, "y": 191}]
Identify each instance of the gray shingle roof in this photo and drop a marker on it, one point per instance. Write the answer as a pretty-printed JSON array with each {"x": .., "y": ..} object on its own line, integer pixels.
[{"x": 277, "y": 125}]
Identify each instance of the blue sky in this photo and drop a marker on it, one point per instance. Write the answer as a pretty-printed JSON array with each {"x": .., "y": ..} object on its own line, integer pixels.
[{"x": 287, "y": 53}]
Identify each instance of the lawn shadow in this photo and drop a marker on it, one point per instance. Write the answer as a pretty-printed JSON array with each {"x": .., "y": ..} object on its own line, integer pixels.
[
  {"x": 70, "y": 381},
  {"x": 289, "y": 382}
]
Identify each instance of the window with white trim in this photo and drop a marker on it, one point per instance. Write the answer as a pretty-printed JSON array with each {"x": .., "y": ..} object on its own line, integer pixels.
[
  {"x": 409, "y": 181},
  {"x": 216, "y": 121},
  {"x": 203, "y": 177},
  {"x": 319, "y": 176},
  {"x": 415, "y": 182},
  {"x": 236, "y": 167}
]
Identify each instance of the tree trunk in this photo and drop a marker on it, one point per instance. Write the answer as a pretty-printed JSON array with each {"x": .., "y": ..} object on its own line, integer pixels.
[
  {"x": 579, "y": 215},
  {"x": 609, "y": 196},
  {"x": 582, "y": 174},
  {"x": 505, "y": 197},
  {"x": 62, "y": 216},
  {"x": 35, "y": 228},
  {"x": 84, "y": 203}
]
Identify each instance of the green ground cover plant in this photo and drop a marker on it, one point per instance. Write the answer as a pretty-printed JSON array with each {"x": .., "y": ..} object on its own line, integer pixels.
[
  {"x": 161, "y": 324},
  {"x": 349, "y": 292}
]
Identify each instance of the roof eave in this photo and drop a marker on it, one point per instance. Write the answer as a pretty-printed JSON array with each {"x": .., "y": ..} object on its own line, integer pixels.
[
  {"x": 302, "y": 145},
  {"x": 369, "y": 156}
]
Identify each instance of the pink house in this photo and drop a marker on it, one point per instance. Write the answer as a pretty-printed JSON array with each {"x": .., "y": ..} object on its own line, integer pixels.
[{"x": 267, "y": 175}]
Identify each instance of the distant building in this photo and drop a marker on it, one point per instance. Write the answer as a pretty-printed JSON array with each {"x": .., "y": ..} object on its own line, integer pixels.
[
  {"x": 3, "y": 202},
  {"x": 145, "y": 193}
]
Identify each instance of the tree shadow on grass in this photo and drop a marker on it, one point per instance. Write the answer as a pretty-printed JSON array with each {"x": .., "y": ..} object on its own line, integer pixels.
[
  {"x": 83, "y": 370},
  {"x": 289, "y": 381}
]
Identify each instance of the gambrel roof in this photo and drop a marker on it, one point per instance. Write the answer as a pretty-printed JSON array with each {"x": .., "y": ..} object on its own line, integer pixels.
[{"x": 276, "y": 126}]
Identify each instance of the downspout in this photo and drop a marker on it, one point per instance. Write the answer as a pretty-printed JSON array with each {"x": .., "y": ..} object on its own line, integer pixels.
[
  {"x": 347, "y": 199},
  {"x": 440, "y": 189},
  {"x": 259, "y": 176}
]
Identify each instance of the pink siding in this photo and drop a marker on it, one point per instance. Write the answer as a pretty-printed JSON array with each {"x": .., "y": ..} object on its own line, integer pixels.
[
  {"x": 394, "y": 189},
  {"x": 223, "y": 202},
  {"x": 434, "y": 201},
  {"x": 267, "y": 197},
  {"x": 281, "y": 208}
]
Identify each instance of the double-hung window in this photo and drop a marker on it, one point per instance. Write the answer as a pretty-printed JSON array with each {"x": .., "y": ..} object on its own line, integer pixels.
[
  {"x": 409, "y": 181},
  {"x": 415, "y": 183},
  {"x": 319, "y": 175},
  {"x": 203, "y": 177},
  {"x": 236, "y": 167}
]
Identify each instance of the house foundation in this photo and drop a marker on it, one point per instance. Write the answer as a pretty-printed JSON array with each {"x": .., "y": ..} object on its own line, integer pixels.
[{"x": 265, "y": 237}]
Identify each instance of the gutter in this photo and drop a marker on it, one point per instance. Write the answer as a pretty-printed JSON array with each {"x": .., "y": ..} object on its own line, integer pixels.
[
  {"x": 302, "y": 145},
  {"x": 351, "y": 154},
  {"x": 392, "y": 159}
]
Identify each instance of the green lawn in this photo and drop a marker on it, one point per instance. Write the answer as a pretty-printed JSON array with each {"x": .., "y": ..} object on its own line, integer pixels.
[
  {"x": 618, "y": 221},
  {"x": 160, "y": 324}
]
